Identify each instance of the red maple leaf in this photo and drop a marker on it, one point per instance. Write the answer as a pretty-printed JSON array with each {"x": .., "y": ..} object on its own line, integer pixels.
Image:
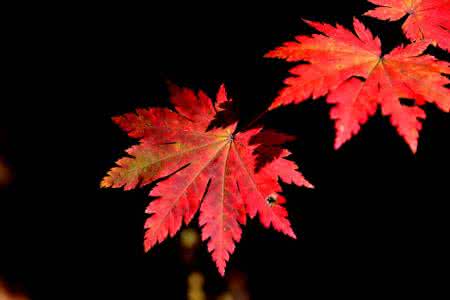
[
  {"x": 225, "y": 174},
  {"x": 350, "y": 69},
  {"x": 427, "y": 19}
]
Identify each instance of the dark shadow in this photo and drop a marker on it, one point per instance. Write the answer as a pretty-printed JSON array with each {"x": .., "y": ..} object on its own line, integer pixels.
[
  {"x": 269, "y": 146},
  {"x": 227, "y": 114},
  {"x": 407, "y": 102}
]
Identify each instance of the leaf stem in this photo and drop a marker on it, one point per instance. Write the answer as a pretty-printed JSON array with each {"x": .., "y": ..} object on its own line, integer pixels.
[{"x": 256, "y": 119}]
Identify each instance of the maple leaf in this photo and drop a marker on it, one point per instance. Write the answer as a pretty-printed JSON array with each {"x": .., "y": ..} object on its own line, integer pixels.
[
  {"x": 427, "y": 19},
  {"x": 350, "y": 69},
  {"x": 217, "y": 171}
]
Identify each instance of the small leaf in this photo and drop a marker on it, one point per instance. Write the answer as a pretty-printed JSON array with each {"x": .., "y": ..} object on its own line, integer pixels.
[{"x": 427, "y": 19}]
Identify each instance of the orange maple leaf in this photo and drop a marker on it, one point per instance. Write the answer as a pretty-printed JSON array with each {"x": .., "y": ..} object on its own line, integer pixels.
[{"x": 356, "y": 77}]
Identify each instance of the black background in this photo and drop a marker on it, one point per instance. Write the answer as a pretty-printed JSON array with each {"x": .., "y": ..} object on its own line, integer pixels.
[{"x": 375, "y": 222}]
